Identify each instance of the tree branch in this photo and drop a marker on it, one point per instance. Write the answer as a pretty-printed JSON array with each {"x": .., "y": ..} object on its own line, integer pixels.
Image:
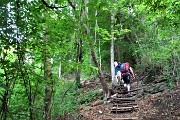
[
  {"x": 57, "y": 7},
  {"x": 51, "y": 7},
  {"x": 70, "y": 3}
]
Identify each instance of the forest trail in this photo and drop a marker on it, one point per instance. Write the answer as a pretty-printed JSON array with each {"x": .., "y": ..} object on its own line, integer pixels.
[
  {"x": 120, "y": 106},
  {"x": 123, "y": 102}
]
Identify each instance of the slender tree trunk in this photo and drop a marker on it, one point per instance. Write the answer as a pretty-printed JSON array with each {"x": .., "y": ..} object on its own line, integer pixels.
[
  {"x": 112, "y": 49},
  {"x": 79, "y": 49},
  {"x": 95, "y": 36},
  {"x": 47, "y": 75},
  {"x": 48, "y": 81},
  {"x": 118, "y": 52},
  {"x": 78, "y": 61},
  {"x": 20, "y": 53},
  {"x": 4, "y": 105},
  {"x": 4, "y": 112},
  {"x": 59, "y": 70},
  {"x": 100, "y": 73}
]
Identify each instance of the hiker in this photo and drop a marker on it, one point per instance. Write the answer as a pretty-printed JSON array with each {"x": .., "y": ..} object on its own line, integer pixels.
[
  {"x": 117, "y": 66},
  {"x": 126, "y": 71}
]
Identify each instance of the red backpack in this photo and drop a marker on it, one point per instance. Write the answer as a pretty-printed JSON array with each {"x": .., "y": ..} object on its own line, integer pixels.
[{"x": 124, "y": 67}]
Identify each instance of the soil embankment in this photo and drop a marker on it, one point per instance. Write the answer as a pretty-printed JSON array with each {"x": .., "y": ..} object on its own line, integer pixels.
[{"x": 164, "y": 105}]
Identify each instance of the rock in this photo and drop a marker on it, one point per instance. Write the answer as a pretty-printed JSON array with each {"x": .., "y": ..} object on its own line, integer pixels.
[
  {"x": 100, "y": 112},
  {"x": 155, "y": 88}
]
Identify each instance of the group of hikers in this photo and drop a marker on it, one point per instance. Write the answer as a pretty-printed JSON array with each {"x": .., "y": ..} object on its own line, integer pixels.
[{"x": 123, "y": 74}]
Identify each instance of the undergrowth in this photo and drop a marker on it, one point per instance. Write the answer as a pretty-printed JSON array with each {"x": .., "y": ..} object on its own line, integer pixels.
[{"x": 67, "y": 98}]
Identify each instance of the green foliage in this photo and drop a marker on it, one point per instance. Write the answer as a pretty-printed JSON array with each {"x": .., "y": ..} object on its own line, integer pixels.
[
  {"x": 146, "y": 34},
  {"x": 67, "y": 98},
  {"x": 64, "y": 99},
  {"x": 158, "y": 46},
  {"x": 88, "y": 97}
]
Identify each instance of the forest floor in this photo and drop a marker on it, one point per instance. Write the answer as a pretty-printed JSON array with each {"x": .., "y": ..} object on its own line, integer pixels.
[{"x": 160, "y": 106}]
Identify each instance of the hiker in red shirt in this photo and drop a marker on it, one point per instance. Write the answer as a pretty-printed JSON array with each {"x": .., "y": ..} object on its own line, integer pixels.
[{"x": 126, "y": 72}]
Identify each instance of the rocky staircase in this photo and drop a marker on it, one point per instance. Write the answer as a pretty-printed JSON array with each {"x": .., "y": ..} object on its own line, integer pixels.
[{"x": 123, "y": 103}]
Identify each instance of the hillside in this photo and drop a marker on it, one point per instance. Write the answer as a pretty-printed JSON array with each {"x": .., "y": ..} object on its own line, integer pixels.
[{"x": 162, "y": 105}]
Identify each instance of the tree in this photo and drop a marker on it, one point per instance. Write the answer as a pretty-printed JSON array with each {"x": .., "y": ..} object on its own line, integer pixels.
[
  {"x": 48, "y": 79},
  {"x": 94, "y": 59},
  {"x": 113, "y": 13}
]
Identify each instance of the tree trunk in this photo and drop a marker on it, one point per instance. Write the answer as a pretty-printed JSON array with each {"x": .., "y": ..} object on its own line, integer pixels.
[
  {"x": 95, "y": 36},
  {"x": 48, "y": 81},
  {"x": 100, "y": 73},
  {"x": 78, "y": 60},
  {"x": 4, "y": 105},
  {"x": 112, "y": 49},
  {"x": 79, "y": 50},
  {"x": 59, "y": 70},
  {"x": 118, "y": 52}
]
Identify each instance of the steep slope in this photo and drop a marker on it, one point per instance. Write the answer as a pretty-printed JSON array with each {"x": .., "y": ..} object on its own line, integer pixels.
[{"x": 162, "y": 105}]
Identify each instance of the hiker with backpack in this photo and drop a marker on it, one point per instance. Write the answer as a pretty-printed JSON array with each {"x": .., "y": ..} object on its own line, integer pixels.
[
  {"x": 117, "y": 66},
  {"x": 126, "y": 73}
]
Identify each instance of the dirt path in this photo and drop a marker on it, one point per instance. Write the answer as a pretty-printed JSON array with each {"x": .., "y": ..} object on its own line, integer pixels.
[{"x": 163, "y": 106}]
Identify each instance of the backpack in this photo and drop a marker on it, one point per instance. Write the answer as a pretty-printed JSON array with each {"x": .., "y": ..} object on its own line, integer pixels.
[
  {"x": 119, "y": 64},
  {"x": 124, "y": 67}
]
